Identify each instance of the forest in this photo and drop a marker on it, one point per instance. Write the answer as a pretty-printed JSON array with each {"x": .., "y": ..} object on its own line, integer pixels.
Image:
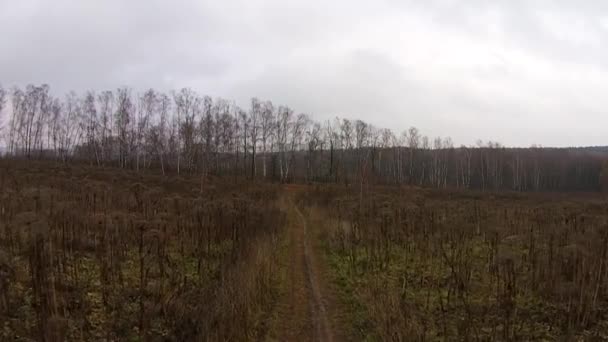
[
  {"x": 173, "y": 216},
  {"x": 182, "y": 132}
]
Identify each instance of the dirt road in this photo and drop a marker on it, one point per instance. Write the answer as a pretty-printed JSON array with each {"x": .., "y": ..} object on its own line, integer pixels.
[{"x": 303, "y": 311}]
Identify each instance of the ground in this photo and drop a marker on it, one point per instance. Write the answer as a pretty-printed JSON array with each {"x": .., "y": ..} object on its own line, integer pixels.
[
  {"x": 88, "y": 255},
  {"x": 307, "y": 307}
]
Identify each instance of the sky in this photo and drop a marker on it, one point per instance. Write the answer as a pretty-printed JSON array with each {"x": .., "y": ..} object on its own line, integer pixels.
[{"x": 519, "y": 72}]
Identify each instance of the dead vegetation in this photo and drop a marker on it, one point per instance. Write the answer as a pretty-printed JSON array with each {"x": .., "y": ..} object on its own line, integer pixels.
[
  {"x": 412, "y": 265},
  {"x": 102, "y": 255},
  {"x": 93, "y": 254}
]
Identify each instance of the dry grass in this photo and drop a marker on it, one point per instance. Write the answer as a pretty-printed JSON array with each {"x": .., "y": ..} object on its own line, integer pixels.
[
  {"x": 418, "y": 265},
  {"x": 91, "y": 254}
]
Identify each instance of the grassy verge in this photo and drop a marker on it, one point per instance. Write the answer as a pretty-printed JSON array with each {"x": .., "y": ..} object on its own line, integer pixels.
[{"x": 356, "y": 315}]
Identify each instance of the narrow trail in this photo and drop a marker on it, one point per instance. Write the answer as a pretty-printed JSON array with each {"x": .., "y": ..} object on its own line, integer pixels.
[
  {"x": 319, "y": 313},
  {"x": 303, "y": 312}
]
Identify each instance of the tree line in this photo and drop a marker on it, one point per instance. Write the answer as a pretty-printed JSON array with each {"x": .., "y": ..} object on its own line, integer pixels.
[{"x": 184, "y": 132}]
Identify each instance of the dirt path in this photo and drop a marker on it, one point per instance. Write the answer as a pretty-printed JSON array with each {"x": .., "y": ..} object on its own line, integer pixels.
[
  {"x": 302, "y": 312},
  {"x": 319, "y": 314}
]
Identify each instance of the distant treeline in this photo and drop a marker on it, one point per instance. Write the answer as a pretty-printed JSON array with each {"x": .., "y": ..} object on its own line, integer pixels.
[{"x": 183, "y": 132}]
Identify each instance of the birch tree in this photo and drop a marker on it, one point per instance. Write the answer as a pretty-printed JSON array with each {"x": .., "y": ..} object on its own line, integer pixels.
[
  {"x": 105, "y": 103},
  {"x": 254, "y": 120},
  {"x": 2, "y": 105},
  {"x": 266, "y": 127},
  {"x": 186, "y": 106},
  {"x": 90, "y": 114},
  {"x": 282, "y": 130},
  {"x": 123, "y": 118},
  {"x": 413, "y": 142},
  {"x": 207, "y": 130}
]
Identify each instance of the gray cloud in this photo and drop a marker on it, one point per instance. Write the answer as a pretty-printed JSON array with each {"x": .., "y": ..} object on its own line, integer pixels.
[{"x": 516, "y": 71}]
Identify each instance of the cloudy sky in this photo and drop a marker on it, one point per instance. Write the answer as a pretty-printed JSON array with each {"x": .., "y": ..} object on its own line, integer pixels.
[{"x": 515, "y": 71}]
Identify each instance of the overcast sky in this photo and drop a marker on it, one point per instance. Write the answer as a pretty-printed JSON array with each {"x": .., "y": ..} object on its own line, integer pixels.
[{"x": 515, "y": 71}]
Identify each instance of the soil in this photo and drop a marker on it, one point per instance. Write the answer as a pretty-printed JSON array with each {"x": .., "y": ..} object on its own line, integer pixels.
[{"x": 307, "y": 306}]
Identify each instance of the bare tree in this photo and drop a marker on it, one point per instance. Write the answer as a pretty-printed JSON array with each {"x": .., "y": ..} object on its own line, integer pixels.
[
  {"x": 361, "y": 136},
  {"x": 330, "y": 135},
  {"x": 173, "y": 142},
  {"x": 373, "y": 143},
  {"x": 314, "y": 142},
  {"x": 424, "y": 167},
  {"x": 346, "y": 131},
  {"x": 146, "y": 109},
  {"x": 90, "y": 113},
  {"x": 55, "y": 126},
  {"x": 225, "y": 126},
  {"x": 207, "y": 130},
  {"x": 16, "y": 121},
  {"x": 493, "y": 163},
  {"x": 157, "y": 133},
  {"x": 413, "y": 142},
  {"x": 187, "y": 108},
  {"x": 2, "y": 104},
  {"x": 464, "y": 167},
  {"x": 283, "y": 124},
  {"x": 346, "y": 143},
  {"x": 105, "y": 102},
  {"x": 71, "y": 126},
  {"x": 124, "y": 116},
  {"x": 435, "y": 166},
  {"x": 30, "y": 108},
  {"x": 298, "y": 127},
  {"x": 387, "y": 143},
  {"x": 222, "y": 132},
  {"x": 245, "y": 125},
  {"x": 447, "y": 152},
  {"x": 266, "y": 126},
  {"x": 254, "y": 118}
]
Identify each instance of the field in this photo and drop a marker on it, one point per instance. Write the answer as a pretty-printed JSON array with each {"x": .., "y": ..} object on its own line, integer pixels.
[
  {"x": 429, "y": 265},
  {"x": 91, "y": 254},
  {"x": 104, "y": 255}
]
